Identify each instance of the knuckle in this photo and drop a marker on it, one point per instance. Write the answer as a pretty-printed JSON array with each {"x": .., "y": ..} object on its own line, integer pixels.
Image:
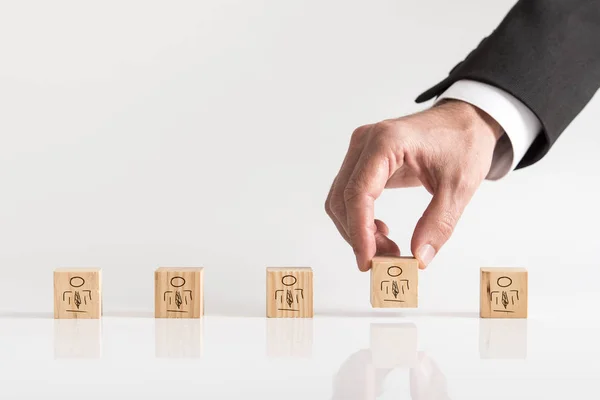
[
  {"x": 328, "y": 203},
  {"x": 336, "y": 207},
  {"x": 385, "y": 126},
  {"x": 383, "y": 132},
  {"x": 379, "y": 141},
  {"x": 351, "y": 192},
  {"x": 328, "y": 207},
  {"x": 465, "y": 182},
  {"x": 389, "y": 136},
  {"x": 359, "y": 134},
  {"x": 446, "y": 224}
]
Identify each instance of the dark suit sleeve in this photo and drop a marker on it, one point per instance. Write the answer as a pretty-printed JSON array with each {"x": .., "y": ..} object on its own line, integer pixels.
[{"x": 546, "y": 53}]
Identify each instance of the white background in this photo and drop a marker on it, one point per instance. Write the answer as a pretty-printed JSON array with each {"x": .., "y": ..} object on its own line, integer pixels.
[{"x": 138, "y": 134}]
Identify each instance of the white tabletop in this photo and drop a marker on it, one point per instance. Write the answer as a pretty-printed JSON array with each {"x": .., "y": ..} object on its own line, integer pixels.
[
  {"x": 137, "y": 134},
  {"x": 414, "y": 354}
]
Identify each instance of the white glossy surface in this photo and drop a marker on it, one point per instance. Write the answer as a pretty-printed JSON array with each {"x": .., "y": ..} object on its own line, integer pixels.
[
  {"x": 345, "y": 355},
  {"x": 135, "y": 134}
]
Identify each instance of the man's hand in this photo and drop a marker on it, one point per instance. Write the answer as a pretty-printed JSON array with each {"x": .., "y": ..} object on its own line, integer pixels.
[
  {"x": 448, "y": 149},
  {"x": 427, "y": 381}
]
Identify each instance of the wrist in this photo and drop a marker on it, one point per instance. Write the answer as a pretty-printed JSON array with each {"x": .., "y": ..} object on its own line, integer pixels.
[{"x": 472, "y": 118}]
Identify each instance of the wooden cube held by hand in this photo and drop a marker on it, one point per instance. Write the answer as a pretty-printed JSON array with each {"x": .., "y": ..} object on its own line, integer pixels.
[{"x": 394, "y": 282}]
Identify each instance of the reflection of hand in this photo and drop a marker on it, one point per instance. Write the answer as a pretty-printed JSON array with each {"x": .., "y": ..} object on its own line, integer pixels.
[
  {"x": 427, "y": 381},
  {"x": 447, "y": 149},
  {"x": 357, "y": 379}
]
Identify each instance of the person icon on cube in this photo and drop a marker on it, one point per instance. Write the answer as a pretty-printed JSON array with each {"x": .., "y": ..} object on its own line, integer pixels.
[
  {"x": 290, "y": 297},
  {"x": 395, "y": 287},
  {"x": 177, "y": 299},
  {"x": 77, "y": 298},
  {"x": 505, "y": 299}
]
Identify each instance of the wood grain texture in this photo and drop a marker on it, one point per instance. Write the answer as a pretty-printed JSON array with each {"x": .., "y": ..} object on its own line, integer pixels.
[
  {"x": 503, "y": 293},
  {"x": 178, "y": 292},
  {"x": 394, "y": 282},
  {"x": 77, "y": 293},
  {"x": 290, "y": 292}
]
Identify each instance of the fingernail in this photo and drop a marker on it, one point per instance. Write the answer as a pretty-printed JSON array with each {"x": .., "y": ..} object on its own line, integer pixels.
[{"x": 426, "y": 254}]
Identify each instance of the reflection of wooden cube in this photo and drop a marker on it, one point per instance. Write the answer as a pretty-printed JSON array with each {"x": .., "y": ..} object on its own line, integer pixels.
[
  {"x": 394, "y": 345},
  {"x": 178, "y": 338},
  {"x": 178, "y": 293},
  {"x": 394, "y": 282},
  {"x": 503, "y": 293},
  {"x": 289, "y": 337},
  {"x": 503, "y": 339},
  {"x": 77, "y": 338},
  {"x": 77, "y": 293},
  {"x": 290, "y": 292}
]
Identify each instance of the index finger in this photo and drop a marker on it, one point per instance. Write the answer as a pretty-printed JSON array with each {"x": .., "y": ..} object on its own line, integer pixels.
[{"x": 364, "y": 186}]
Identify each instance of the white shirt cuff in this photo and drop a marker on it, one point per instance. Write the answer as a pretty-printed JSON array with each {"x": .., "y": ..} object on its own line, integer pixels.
[{"x": 519, "y": 123}]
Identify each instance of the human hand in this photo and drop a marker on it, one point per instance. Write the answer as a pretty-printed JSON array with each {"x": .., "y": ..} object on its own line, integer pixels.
[
  {"x": 427, "y": 381},
  {"x": 447, "y": 149},
  {"x": 358, "y": 378}
]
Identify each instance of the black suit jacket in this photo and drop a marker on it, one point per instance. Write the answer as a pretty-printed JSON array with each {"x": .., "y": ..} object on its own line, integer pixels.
[{"x": 546, "y": 53}]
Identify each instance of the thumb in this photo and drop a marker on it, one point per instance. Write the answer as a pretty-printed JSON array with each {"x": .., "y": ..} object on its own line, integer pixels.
[{"x": 437, "y": 223}]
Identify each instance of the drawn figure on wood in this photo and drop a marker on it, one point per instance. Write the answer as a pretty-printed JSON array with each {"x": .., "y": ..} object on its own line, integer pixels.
[
  {"x": 77, "y": 297},
  {"x": 289, "y": 297},
  {"x": 394, "y": 287},
  {"x": 177, "y": 298},
  {"x": 504, "y": 299}
]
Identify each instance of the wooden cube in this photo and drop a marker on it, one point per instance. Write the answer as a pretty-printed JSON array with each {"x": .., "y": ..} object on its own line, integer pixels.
[
  {"x": 178, "y": 292},
  {"x": 77, "y": 293},
  {"x": 503, "y": 293},
  {"x": 394, "y": 282},
  {"x": 289, "y": 292}
]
